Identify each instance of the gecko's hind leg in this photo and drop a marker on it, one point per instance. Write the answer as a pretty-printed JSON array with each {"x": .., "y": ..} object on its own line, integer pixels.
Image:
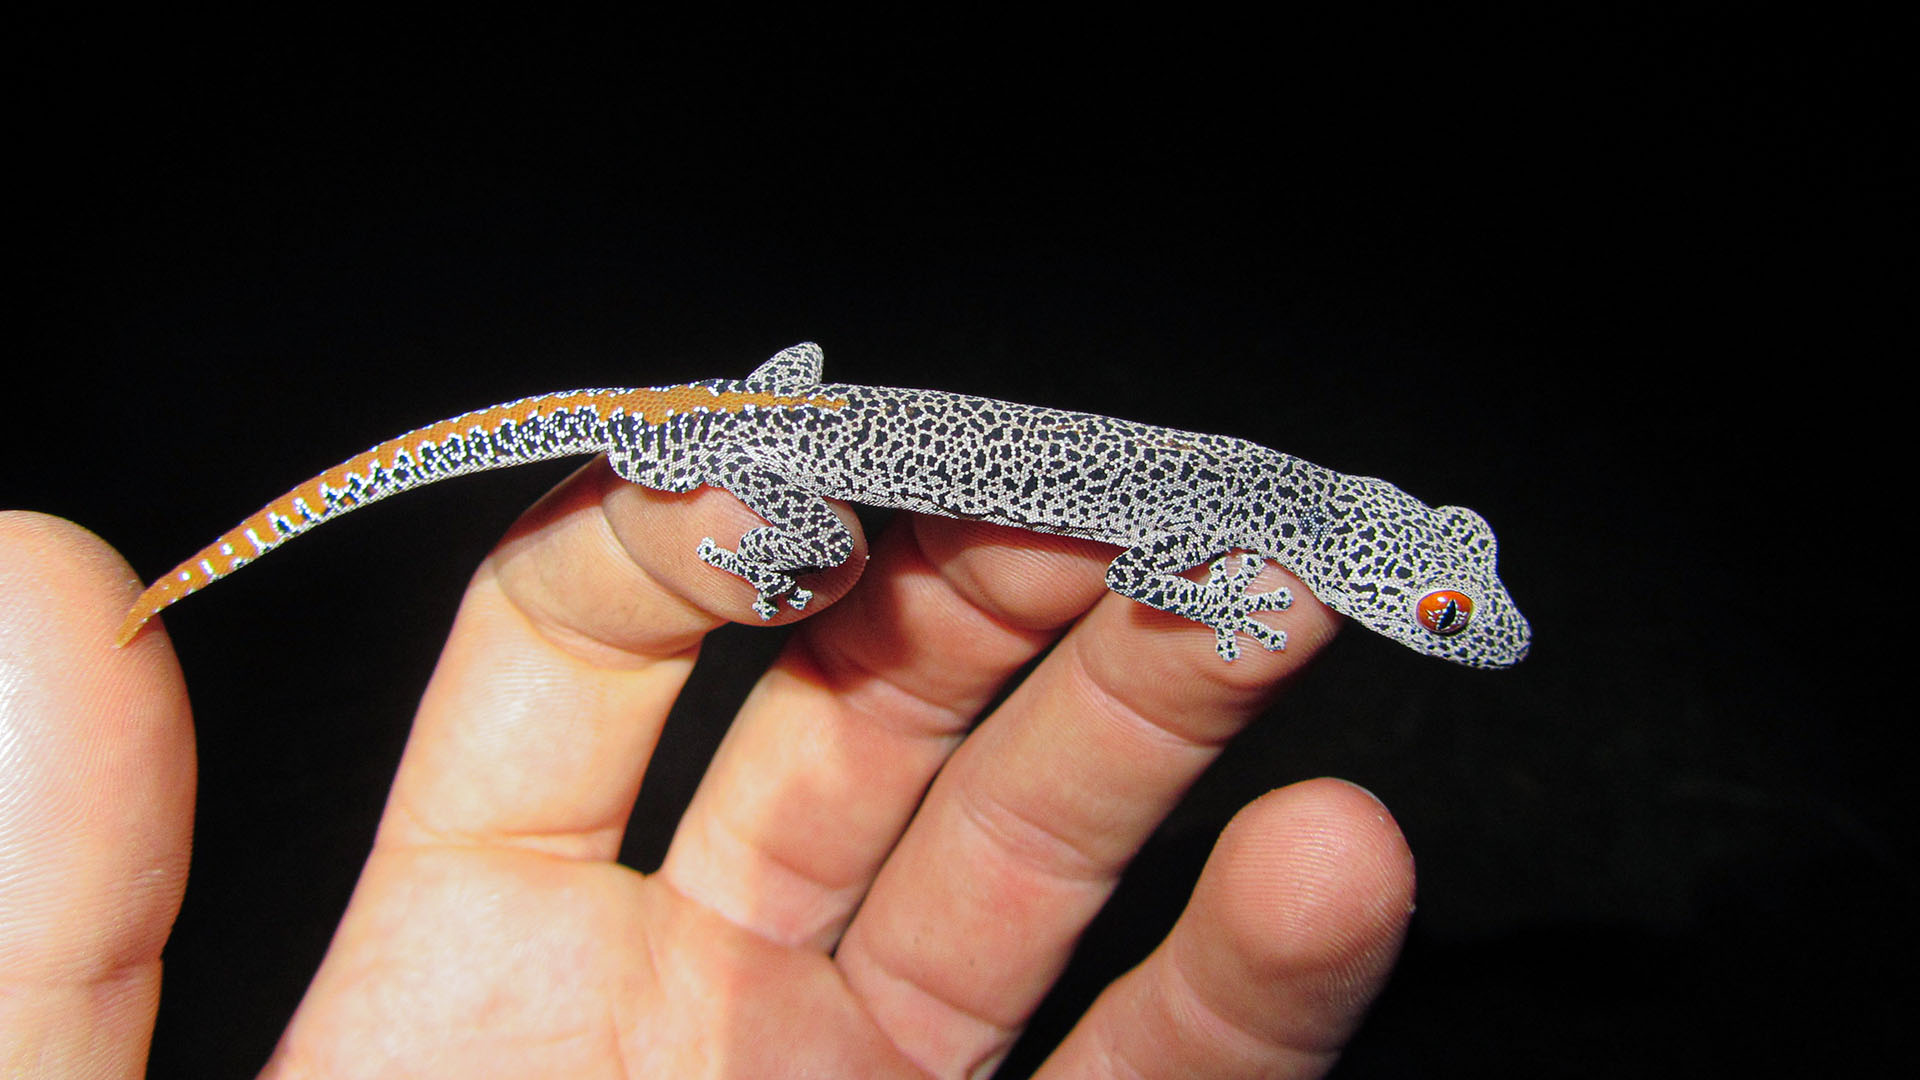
[
  {"x": 803, "y": 535},
  {"x": 1150, "y": 573}
]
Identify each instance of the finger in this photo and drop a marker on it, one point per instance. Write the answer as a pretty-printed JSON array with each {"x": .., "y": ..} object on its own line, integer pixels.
[
  {"x": 1289, "y": 936},
  {"x": 96, "y": 806},
  {"x": 833, "y": 751},
  {"x": 1023, "y": 836},
  {"x": 571, "y": 644},
  {"x": 519, "y": 774}
]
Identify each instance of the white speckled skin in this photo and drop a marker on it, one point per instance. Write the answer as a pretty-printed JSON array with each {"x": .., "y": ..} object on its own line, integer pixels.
[{"x": 781, "y": 440}]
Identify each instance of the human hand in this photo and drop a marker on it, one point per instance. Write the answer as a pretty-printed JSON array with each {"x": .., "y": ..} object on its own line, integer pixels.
[{"x": 866, "y": 883}]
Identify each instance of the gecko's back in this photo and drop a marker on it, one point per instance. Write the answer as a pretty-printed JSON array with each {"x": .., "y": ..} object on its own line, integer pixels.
[{"x": 1028, "y": 466}]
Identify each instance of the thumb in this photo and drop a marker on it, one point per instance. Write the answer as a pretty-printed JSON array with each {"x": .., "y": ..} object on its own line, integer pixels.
[{"x": 96, "y": 807}]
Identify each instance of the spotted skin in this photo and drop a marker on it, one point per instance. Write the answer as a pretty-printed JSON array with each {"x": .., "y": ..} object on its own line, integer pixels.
[{"x": 782, "y": 441}]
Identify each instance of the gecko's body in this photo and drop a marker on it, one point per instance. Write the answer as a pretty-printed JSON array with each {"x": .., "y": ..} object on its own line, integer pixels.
[{"x": 781, "y": 440}]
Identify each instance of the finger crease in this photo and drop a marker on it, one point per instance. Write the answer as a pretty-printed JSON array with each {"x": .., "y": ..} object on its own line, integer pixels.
[
  {"x": 1005, "y": 1032},
  {"x": 573, "y": 846},
  {"x": 842, "y": 670},
  {"x": 784, "y": 865},
  {"x": 1035, "y": 842},
  {"x": 1125, "y": 712},
  {"x": 1202, "y": 1013}
]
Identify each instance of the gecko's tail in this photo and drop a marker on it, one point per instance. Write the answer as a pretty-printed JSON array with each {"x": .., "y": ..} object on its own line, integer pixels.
[{"x": 532, "y": 429}]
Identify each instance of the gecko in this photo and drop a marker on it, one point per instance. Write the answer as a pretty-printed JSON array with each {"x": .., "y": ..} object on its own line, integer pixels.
[{"x": 783, "y": 442}]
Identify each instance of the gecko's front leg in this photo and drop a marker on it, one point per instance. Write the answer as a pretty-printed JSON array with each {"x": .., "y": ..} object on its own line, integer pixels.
[
  {"x": 803, "y": 534},
  {"x": 1150, "y": 574}
]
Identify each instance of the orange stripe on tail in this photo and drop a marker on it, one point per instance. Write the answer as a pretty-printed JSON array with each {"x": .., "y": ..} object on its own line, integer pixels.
[{"x": 307, "y": 505}]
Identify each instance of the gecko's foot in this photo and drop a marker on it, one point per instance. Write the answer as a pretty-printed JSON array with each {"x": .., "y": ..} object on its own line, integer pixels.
[
  {"x": 769, "y": 585},
  {"x": 1234, "y": 607}
]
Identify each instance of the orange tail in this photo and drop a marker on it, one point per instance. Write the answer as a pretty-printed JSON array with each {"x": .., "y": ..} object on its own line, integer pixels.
[{"x": 533, "y": 429}]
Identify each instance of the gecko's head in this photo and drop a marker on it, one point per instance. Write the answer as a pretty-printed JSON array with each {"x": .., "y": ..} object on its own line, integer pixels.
[{"x": 1423, "y": 576}]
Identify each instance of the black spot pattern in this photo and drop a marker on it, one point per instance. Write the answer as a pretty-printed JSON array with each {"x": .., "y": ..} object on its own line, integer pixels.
[{"x": 1173, "y": 499}]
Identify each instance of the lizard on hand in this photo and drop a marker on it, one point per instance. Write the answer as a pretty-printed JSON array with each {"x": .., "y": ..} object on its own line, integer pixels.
[{"x": 782, "y": 442}]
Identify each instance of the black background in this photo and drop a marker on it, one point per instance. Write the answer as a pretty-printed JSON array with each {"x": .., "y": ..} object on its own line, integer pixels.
[{"x": 1624, "y": 281}]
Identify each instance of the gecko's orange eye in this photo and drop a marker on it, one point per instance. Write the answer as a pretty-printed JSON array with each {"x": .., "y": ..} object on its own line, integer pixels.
[{"x": 1444, "y": 611}]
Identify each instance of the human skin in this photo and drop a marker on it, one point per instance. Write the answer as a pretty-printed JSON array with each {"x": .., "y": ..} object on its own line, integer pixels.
[{"x": 873, "y": 879}]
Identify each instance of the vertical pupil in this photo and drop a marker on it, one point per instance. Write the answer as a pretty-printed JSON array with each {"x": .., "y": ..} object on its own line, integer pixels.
[{"x": 1444, "y": 612}]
